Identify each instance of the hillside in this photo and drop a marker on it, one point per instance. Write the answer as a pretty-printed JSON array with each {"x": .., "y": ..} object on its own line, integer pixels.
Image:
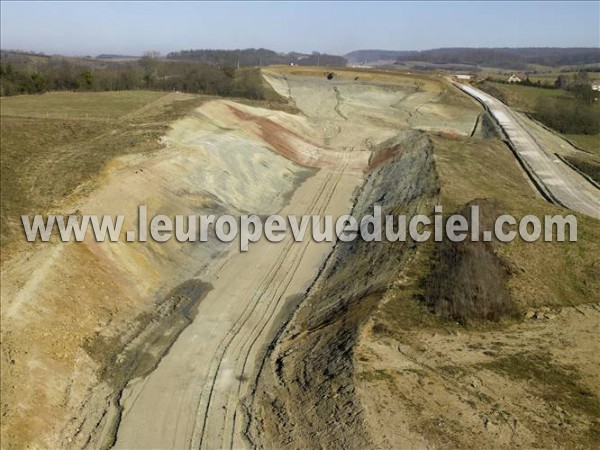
[
  {"x": 514, "y": 58},
  {"x": 258, "y": 57}
]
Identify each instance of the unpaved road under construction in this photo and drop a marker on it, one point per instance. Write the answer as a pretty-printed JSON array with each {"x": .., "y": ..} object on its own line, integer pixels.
[{"x": 194, "y": 397}]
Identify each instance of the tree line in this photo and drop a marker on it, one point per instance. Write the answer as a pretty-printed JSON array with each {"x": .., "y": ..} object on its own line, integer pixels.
[
  {"x": 577, "y": 115},
  {"x": 258, "y": 57},
  {"x": 577, "y": 111},
  {"x": 510, "y": 58},
  {"x": 148, "y": 72}
]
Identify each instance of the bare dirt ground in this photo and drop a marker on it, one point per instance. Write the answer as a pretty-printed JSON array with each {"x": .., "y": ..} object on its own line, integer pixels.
[
  {"x": 200, "y": 381},
  {"x": 519, "y": 388}
]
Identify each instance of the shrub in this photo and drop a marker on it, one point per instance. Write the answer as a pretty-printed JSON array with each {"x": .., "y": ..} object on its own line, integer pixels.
[{"x": 568, "y": 116}]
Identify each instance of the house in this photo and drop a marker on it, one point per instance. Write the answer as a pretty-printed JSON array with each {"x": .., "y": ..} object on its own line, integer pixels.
[
  {"x": 514, "y": 79},
  {"x": 596, "y": 86},
  {"x": 460, "y": 76}
]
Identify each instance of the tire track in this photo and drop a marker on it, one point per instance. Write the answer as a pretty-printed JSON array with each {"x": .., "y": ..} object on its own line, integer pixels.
[
  {"x": 267, "y": 286},
  {"x": 274, "y": 305}
]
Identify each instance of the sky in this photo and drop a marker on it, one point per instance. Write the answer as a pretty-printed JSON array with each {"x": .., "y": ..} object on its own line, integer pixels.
[{"x": 131, "y": 28}]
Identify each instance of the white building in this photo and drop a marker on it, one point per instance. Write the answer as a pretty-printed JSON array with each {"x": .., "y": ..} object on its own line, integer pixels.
[{"x": 514, "y": 79}]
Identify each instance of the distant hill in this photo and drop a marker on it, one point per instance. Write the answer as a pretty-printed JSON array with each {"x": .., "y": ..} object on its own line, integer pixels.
[
  {"x": 113, "y": 56},
  {"x": 21, "y": 57},
  {"x": 257, "y": 57},
  {"x": 370, "y": 56},
  {"x": 251, "y": 57},
  {"x": 514, "y": 58}
]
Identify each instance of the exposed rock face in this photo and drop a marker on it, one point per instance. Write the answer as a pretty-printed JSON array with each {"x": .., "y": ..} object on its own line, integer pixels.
[{"x": 313, "y": 358}]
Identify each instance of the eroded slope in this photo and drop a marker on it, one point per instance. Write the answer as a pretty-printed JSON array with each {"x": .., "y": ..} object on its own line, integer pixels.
[{"x": 375, "y": 352}]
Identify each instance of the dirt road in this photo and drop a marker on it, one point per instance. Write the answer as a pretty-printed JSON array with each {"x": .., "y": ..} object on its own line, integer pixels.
[
  {"x": 192, "y": 398},
  {"x": 561, "y": 183}
]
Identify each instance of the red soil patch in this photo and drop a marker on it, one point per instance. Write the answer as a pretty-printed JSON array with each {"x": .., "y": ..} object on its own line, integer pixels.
[
  {"x": 278, "y": 137},
  {"x": 382, "y": 156}
]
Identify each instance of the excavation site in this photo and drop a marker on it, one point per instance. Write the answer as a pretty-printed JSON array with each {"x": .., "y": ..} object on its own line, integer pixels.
[{"x": 338, "y": 344}]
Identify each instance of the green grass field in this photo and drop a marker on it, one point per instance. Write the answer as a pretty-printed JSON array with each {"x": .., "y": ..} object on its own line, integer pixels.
[
  {"x": 545, "y": 75},
  {"x": 80, "y": 105},
  {"x": 525, "y": 98},
  {"x": 591, "y": 143}
]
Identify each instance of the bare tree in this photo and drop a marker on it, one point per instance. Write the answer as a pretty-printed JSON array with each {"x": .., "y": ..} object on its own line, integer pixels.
[{"x": 149, "y": 63}]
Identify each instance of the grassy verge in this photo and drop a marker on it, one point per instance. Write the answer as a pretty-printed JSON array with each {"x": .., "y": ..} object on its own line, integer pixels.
[
  {"x": 541, "y": 273},
  {"x": 591, "y": 143},
  {"x": 590, "y": 165},
  {"x": 524, "y": 98},
  {"x": 455, "y": 314}
]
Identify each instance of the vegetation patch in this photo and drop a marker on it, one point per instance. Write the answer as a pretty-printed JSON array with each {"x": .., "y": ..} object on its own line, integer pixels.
[
  {"x": 488, "y": 285},
  {"x": 588, "y": 165},
  {"x": 376, "y": 376},
  {"x": 468, "y": 281},
  {"x": 568, "y": 116},
  {"x": 589, "y": 143},
  {"x": 556, "y": 384},
  {"x": 570, "y": 106},
  {"x": 542, "y": 273},
  {"x": 524, "y": 98},
  {"x": 23, "y": 76}
]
